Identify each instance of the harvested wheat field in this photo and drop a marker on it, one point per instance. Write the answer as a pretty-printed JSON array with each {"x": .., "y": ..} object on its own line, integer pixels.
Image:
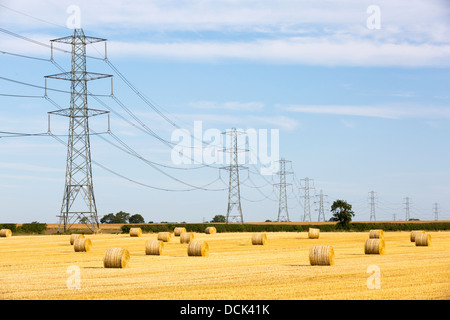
[{"x": 46, "y": 267}]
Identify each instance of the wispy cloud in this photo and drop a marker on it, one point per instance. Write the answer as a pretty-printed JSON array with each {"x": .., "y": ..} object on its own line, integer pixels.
[
  {"x": 386, "y": 111},
  {"x": 330, "y": 33},
  {"x": 324, "y": 51},
  {"x": 230, "y": 105}
]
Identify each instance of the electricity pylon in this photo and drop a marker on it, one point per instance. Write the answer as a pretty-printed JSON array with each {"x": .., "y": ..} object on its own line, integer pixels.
[
  {"x": 372, "y": 206},
  {"x": 406, "y": 208},
  {"x": 307, "y": 207},
  {"x": 78, "y": 202},
  {"x": 321, "y": 207},
  {"x": 436, "y": 211},
  {"x": 234, "y": 210},
  {"x": 283, "y": 214}
]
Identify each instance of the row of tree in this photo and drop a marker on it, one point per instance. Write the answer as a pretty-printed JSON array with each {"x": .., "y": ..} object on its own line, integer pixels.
[
  {"x": 340, "y": 209},
  {"x": 122, "y": 217}
]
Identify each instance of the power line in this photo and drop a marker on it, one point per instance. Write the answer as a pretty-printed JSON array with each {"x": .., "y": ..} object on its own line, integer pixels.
[{"x": 33, "y": 17}]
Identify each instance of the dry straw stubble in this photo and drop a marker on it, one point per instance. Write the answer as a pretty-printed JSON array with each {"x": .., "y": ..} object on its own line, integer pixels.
[
  {"x": 186, "y": 237},
  {"x": 82, "y": 245},
  {"x": 423, "y": 239},
  {"x": 116, "y": 258},
  {"x": 198, "y": 248},
  {"x": 374, "y": 246},
  {"x": 259, "y": 239},
  {"x": 154, "y": 247},
  {"x": 5, "y": 233},
  {"x": 321, "y": 256},
  {"x": 75, "y": 236}
]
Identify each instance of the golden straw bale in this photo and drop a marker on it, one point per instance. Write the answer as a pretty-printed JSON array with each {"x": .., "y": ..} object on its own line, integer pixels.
[
  {"x": 116, "y": 258},
  {"x": 376, "y": 234},
  {"x": 135, "y": 232},
  {"x": 414, "y": 233},
  {"x": 178, "y": 231},
  {"x": 5, "y": 233},
  {"x": 423, "y": 239},
  {"x": 374, "y": 246},
  {"x": 198, "y": 248},
  {"x": 186, "y": 237},
  {"x": 313, "y": 233},
  {"x": 210, "y": 230},
  {"x": 154, "y": 247},
  {"x": 321, "y": 256},
  {"x": 259, "y": 239},
  {"x": 75, "y": 236},
  {"x": 164, "y": 236},
  {"x": 82, "y": 245}
]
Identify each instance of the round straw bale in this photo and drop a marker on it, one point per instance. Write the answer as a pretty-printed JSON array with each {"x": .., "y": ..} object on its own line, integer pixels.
[
  {"x": 414, "y": 234},
  {"x": 321, "y": 256},
  {"x": 82, "y": 245},
  {"x": 75, "y": 236},
  {"x": 5, "y": 233},
  {"x": 423, "y": 239},
  {"x": 198, "y": 248},
  {"x": 135, "y": 232},
  {"x": 164, "y": 236},
  {"x": 178, "y": 231},
  {"x": 376, "y": 234},
  {"x": 259, "y": 239},
  {"x": 313, "y": 233},
  {"x": 210, "y": 230},
  {"x": 374, "y": 246},
  {"x": 154, "y": 247},
  {"x": 186, "y": 237},
  {"x": 116, "y": 258}
]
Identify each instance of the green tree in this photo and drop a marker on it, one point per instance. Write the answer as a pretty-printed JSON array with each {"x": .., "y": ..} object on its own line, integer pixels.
[
  {"x": 122, "y": 217},
  {"x": 136, "y": 218},
  {"x": 84, "y": 220},
  {"x": 342, "y": 213},
  {"x": 218, "y": 218},
  {"x": 108, "y": 218},
  {"x": 119, "y": 217}
]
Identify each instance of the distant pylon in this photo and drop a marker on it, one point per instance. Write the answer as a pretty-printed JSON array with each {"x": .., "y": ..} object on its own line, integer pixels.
[
  {"x": 307, "y": 207},
  {"x": 234, "y": 210},
  {"x": 283, "y": 213},
  {"x": 321, "y": 209},
  {"x": 436, "y": 211},
  {"x": 78, "y": 168},
  {"x": 406, "y": 208},
  {"x": 372, "y": 206}
]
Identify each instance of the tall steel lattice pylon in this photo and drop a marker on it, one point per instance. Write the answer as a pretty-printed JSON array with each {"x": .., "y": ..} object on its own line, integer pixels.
[
  {"x": 406, "y": 209},
  {"x": 306, "y": 205},
  {"x": 234, "y": 210},
  {"x": 372, "y": 206},
  {"x": 436, "y": 211},
  {"x": 78, "y": 202},
  {"x": 283, "y": 213},
  {"x": 321, "y": 209}
]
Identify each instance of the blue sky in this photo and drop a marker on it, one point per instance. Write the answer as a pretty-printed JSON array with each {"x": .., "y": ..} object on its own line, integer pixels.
[{"x": 357, "y": 109}]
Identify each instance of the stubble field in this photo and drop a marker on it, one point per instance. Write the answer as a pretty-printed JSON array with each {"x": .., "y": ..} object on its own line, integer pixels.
[{"x": 45, "y": 267}]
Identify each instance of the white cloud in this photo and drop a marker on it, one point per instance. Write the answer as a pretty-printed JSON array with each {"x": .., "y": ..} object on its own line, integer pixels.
[
  {"x": 229, "y": 105},
  {"x": 305, "y": 50},
  {"x": 386, "y": 111},
  {"x": 330, "y": 33}
]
